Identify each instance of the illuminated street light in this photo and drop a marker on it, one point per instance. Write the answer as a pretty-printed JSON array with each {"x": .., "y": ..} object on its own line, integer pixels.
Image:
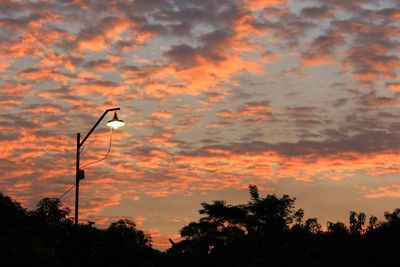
[{"x": 115, "y": 123}]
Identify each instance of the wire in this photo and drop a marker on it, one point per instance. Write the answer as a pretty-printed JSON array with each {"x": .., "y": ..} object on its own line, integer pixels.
[
  {"x": 108, "y": 152},
  {"x": 60, "y": 197}
]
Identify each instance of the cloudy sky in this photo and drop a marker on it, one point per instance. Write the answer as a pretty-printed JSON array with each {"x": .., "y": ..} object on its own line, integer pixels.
[{"x": 298, "y": 97}]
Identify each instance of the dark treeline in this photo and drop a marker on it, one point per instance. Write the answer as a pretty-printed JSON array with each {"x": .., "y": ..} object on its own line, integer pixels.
[{"x": 267, "y": 231}]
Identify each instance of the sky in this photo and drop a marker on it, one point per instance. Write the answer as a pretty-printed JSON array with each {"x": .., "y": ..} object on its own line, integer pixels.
[{"x": 297, "y": 97}]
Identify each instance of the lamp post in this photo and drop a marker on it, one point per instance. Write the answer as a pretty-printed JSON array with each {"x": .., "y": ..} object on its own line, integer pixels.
[{"x": 114, "y": 123}]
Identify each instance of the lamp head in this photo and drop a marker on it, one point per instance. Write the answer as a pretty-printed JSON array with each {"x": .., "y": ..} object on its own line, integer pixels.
[{"x": 115, "y": 123}]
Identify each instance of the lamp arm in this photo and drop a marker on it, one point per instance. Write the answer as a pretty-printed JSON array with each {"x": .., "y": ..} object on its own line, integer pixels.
[{"x": 95, "y": 125}]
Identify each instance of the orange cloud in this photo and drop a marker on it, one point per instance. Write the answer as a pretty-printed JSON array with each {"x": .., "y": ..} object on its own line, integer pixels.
[
  {"x": 4, "y": 65},
  {"x": 102, "y": 87},
  {"x": 394, "y": 86},
  {"x": 391, "y": 191},
  {"x": 101, "y": 201},
  {"x": 256, "y": 111},
  {"x": 259, "y": 4},
  {"x": 43, "y": 108},
  {"x": 201, "y": 78},
  {"x": 226, "y": 114},
  {"x": 317, "y": 60},
  {"x": 93, "y": 43},
  {"x": 162, "y": 114},
  {"x": 99, "y": 39},
  {"x": 38, "y": 75}
]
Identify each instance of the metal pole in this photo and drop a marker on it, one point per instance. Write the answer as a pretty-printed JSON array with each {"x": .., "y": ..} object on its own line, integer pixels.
[
  {"x": 77, "y": 178},
  {"x": 78, "y": 147}
]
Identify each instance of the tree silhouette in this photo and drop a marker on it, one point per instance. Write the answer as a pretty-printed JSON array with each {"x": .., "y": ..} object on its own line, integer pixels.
[
  {"x": 311, "y": 225},
  {"x": 266, "y": 231},
  {"x": 50, "y": 211},
  {"x": 270, "y": 214},
  {"x": 373, "y": 223},
  {"x": 11, "y": 212},
  {"x": 233, "y": 235},
  {"x": 357, "y": 222},
  {"x": 121, "y": 244},
  {"x": 337, "y": 229},
  {"x": 20, "y": 243}
]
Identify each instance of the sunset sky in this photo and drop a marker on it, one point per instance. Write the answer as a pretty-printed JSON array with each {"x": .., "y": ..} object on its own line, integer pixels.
[{"x": 297, "y": 97}]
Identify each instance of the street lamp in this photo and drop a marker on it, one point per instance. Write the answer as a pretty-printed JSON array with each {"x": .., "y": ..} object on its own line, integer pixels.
[{"x": 114, "y": 123}]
